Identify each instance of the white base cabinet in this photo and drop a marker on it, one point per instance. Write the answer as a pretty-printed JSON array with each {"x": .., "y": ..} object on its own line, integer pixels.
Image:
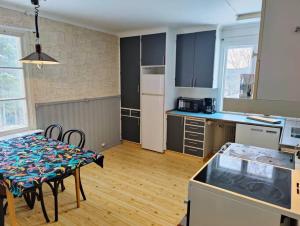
[{"x": 208, "y": 208}]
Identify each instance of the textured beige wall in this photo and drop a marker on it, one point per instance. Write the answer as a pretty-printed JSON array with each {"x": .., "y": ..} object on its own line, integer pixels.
[{"x": 89, "y": 60}]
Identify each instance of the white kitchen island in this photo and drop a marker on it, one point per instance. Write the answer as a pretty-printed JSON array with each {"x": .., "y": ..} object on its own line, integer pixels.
[{"x": 238, "y": 191}]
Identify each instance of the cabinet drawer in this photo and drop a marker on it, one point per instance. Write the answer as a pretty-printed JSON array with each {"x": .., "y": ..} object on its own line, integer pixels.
[
  {"x": 135, "y": 113},
  {"x": 192, "y": 143},
  {"x": 194, "y": 122},
  {"x": 194, "y": 136},
  {"x": 195, "y": 129},
  {"x": 125, "y": 112},
  {"x": 193, "y": 151}
]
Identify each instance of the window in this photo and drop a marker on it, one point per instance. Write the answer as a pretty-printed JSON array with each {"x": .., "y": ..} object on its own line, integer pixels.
[
  {"x": 13, "y": 104},
  {"x": 239, "y": 70}
]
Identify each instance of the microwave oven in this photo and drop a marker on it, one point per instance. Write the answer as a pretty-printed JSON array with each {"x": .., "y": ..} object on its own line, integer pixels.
[{"x": 190, "y": 104}]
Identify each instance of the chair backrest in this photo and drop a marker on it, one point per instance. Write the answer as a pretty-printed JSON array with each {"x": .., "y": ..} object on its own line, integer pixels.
[
  {"x": 68, "y": 135},
  {"x": 49, "y": 131}
]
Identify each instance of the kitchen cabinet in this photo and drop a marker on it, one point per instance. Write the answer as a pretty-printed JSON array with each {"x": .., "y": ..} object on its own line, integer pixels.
[
  {"x": 175, "y": 132},
  {"x": 130, "y": 72},
  {"x": 185, "y": 60},
  {"x": 197, "y": 137},
  {"x": 195, "y": 53},
  {"x": 153, "y": 49},
  {"x": 130, "y": 128},
  {"x": 279, "y": 53},
  {"x": 204, "y": 59},
  {"x": 260, "y": 136}
]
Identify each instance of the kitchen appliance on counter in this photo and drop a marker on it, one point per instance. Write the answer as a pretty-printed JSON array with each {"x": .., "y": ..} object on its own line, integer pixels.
[
  {"x": 209, "y": 105},
  {"x": 256, "y": 180},
  {"x": 205, "y": 105},
  {"x": 190, "y": 104}
]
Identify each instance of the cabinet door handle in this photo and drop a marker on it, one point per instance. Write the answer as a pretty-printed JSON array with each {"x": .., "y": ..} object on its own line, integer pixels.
[
  {"x": 270, "y": 131},
  {"x": 164, "y": 60},
  {"x": 195, "y": 82},
  {"x": 138, "y": 88},
  {"x": 256, "y": 130}
]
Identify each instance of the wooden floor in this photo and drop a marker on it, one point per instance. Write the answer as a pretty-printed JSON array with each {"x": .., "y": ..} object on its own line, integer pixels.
[{"x": 136, "y": 188}]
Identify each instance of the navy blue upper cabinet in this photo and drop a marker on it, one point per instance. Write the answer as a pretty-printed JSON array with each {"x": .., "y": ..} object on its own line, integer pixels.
[
  {"x": 195, "y": 53},
  {"x": 153, "y": 49},
  {"x": 185, "y": 54}
]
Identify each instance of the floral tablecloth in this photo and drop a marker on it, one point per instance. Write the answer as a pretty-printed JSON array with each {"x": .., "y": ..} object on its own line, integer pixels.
[{"x": 31, "y": 160}]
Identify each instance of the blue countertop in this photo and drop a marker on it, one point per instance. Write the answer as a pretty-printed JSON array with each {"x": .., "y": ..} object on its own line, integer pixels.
[{"x": 230, "y": 117}]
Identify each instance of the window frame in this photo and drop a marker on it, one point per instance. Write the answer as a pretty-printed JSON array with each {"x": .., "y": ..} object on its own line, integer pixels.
[
  {"x": 237, "y": 41},
  {"x": 30, "y": 119}
]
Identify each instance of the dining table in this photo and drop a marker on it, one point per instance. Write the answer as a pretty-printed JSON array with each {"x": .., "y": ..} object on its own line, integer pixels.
[{"x": 27, "y": 162}]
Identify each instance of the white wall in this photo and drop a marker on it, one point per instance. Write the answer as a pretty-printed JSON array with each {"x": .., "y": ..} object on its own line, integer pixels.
[{"x": 89, "y": 60}]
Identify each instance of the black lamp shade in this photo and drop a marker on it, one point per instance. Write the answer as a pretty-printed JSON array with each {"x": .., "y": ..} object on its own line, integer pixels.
[{"x": 38, "y": 57}]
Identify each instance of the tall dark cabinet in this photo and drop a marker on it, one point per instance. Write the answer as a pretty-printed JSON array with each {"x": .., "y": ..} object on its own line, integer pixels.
[
  {"x": 195, "y": 53},
  {"x": 130, "y": 88},
  {"x": 130, "y": 72}
]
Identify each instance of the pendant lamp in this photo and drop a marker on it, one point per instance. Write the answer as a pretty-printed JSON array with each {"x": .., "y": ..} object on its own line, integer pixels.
[{"x": 38, "y": 57}]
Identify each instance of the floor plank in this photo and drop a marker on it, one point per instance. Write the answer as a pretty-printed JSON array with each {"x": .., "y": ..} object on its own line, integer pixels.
[{"x": 136, "y": 187}]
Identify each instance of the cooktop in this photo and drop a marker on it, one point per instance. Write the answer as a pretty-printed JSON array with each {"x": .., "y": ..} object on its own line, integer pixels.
[
  {"x": 264, "y": 182},
  {"x": 264, "y": 155}
]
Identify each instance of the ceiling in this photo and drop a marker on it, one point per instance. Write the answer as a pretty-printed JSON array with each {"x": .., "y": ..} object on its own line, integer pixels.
[{"x": 117, "y": 16}]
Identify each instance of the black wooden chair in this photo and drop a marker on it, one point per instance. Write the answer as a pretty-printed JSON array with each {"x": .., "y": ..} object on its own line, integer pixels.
[
  {"x": 67, "y": 139},
  {"x": 53, "y": 131},
  {"x": 49, "y": 131}
]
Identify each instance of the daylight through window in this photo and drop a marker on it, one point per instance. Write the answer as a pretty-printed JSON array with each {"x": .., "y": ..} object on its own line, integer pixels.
[{"x": 13, "y": 105}]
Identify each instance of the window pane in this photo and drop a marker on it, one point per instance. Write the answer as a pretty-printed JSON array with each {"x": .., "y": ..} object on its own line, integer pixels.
[
  {"x": 13, "y": 115},
  {"x": 10, "y": 51},
  {"x": 238, "y": 71},
  {"x": 11, "y": 83}
]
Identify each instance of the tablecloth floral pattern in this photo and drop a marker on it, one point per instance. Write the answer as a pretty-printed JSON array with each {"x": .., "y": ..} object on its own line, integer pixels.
[{"x": 31, "y": 160}]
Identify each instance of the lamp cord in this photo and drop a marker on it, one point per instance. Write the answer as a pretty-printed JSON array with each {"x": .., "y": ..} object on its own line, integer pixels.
[{"x": 37, "y": 33}]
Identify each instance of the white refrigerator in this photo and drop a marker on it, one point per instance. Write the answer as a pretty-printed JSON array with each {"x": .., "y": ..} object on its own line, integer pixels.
[{"x": 152, "y": 111}]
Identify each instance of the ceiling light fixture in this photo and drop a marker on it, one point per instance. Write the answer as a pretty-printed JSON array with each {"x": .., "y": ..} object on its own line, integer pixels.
[{"x": 38, "y": 57}]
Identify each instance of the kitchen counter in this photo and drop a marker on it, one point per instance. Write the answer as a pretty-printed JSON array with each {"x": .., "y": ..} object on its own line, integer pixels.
[
  {"x": 252, "y": 189},
  {"x": 230, "y": 117}
]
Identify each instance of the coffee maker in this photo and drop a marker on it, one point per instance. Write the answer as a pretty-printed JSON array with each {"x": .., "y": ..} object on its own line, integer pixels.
[{"x": 209, "y": 105}]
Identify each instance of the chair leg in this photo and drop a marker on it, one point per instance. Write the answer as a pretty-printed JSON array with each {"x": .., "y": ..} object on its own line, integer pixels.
[
  {"x": 54, "y": 189},
  {"x": 55, "y": 193},
  {"x": 41, "y": 199},
  {"x": 30, "y": 199},
  {"x": 1, "y": 212},
  {"x": 62, "y": 186},
  {"x": 81, "y": 187},
  {"x": 5, "y": 208}
]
